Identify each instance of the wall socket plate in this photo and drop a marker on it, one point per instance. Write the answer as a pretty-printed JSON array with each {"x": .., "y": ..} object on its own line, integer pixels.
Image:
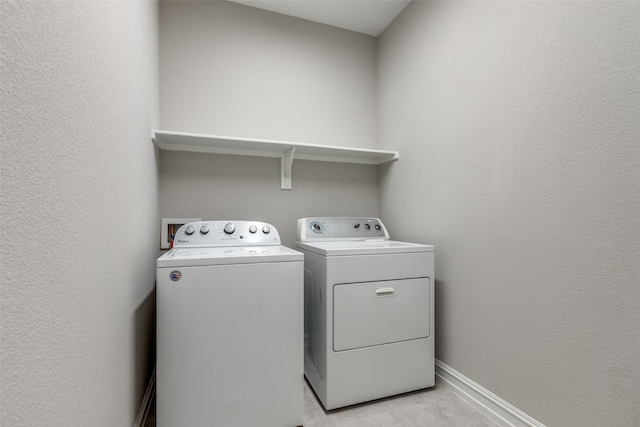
[{"x": 169, "y": 227}]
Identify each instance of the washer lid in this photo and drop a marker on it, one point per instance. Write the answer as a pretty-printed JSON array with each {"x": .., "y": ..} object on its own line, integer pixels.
[
  {"x": 363, "y": 247},
  {"x": 184, "y": 257}
]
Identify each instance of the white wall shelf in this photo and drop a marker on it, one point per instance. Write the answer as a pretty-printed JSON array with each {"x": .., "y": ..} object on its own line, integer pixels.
[{"x": 285, "y": 150}]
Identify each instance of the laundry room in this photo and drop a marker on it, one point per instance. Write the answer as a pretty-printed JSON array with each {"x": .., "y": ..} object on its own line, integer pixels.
[{"x": 516, "y": 128}]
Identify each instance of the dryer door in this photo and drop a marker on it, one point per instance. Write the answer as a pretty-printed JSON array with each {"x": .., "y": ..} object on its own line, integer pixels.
[{"x": 374, "y": 313}]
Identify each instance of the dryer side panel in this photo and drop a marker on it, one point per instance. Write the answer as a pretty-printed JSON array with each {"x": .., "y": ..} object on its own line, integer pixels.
[{"x": 315, "y": 309}]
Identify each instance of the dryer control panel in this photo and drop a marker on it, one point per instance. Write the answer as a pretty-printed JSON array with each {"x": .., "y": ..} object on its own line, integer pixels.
[
  {"x": 340, "y": 228},
  {"x": 226, "y": 233}
]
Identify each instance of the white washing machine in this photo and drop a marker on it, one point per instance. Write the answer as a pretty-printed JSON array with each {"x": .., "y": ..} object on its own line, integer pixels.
[
  {"x": 369, "y": 311},
  {"x": 229, "y": 328}
]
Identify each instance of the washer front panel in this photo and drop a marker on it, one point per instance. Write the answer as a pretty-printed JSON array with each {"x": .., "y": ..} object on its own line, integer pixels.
[{"x": 229, "y": 345}]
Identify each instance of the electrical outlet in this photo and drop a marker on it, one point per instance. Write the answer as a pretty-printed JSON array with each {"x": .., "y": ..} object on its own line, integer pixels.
[{"x": 169, "y": 228}]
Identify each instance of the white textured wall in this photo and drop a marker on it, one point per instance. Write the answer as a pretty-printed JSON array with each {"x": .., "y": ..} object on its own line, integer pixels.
[
  {"x": 79, "y": 210},
  {"x": 518, "y": 126},
  {"x": 229, "y": 69},
  {"x": 224, "y": 187}
]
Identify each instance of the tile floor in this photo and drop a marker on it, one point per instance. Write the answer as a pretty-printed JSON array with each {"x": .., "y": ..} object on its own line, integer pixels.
[{"x": 436, "y": 407}]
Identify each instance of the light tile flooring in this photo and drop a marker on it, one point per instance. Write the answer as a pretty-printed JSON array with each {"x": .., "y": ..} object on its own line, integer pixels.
[{"x": 435, "y": 407}]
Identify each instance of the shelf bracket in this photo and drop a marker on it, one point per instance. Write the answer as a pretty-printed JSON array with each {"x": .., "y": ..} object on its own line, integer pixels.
[{"x": 286, "y": 163}]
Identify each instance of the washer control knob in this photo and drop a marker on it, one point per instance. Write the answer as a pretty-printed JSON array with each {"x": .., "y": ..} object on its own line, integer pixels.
[
  {"x": 377, "y": 227},
  {"x": 253, "y": 229},
  {"x": 266, "y": 229},
  {"x": 204, "y": 229},
  {"x": 189, "y": 230},
  {"x": 229, "y": 228},
  {"x": 367, "y": 227}
]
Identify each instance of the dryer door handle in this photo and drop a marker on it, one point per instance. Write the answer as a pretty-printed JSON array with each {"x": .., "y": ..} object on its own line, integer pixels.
[{"x": 385, "y": 292}]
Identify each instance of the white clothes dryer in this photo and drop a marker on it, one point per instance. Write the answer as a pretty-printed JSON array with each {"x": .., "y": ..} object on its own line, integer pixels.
[
  {"x": 229, "y": 328},
  {"x": 369, "y": 311}
]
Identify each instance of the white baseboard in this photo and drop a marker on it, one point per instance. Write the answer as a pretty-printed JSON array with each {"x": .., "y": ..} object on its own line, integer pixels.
[
  {"x": 500, "y": 411},
  {"x": 147, "y": 400}
]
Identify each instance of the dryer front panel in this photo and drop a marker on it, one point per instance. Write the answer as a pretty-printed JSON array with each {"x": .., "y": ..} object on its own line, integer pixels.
[{"x": 382, "y": 312}]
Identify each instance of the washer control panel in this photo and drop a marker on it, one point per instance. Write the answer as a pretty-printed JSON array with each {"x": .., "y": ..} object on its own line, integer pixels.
[
  {"x": 340, "y": 228},
  {"x": 226, "y": 233}
]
